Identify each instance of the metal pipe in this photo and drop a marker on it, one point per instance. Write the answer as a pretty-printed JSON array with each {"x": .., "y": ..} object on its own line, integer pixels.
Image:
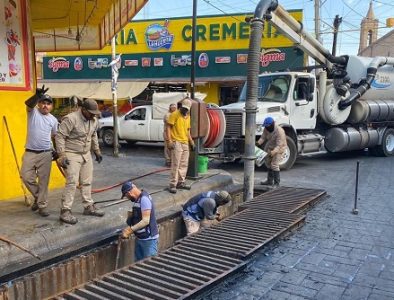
[
  {"x": 263, "y": 9},
  {"x": 115, "y": 99},
  {"x": 355, "y": 210}
]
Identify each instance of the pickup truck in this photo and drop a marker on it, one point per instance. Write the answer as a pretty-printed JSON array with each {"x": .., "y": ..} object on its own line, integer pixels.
[{"x": 137, "y": 125}]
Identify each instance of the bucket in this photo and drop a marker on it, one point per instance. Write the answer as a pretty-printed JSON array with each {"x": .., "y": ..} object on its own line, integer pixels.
[
  {"x": 260, "y": 156},
  {"x": 202, "y": 164}
]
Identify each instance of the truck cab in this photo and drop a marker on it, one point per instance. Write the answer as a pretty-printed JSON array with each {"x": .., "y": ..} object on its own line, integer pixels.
[{"x": 289, "y": 97}]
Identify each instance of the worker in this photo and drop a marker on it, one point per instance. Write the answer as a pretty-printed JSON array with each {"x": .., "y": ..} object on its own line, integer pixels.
[
  {"x": 141, "y": 221},
  {"x": 167, "y": 151},
  {"x": 76, "y": 138},
  {"x": 201, "y": 210},
  {"x": 275, "y": 138},
  {"x": 37, "y": 159},
  {"x": 179, "y": 139}
]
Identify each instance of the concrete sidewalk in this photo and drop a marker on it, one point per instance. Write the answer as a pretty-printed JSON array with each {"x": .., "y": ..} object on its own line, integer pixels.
[{"x": 48, "y": 237}]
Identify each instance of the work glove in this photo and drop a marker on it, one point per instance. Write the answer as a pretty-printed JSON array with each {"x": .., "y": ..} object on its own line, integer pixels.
[
  {"x": 99, "y": 157},
  {"x": 192, "y": 146},
  {"x": 127, "y": 232},
  {"x": 171, "y": 145},
  {"x": 55, "y": 156},
  {"x": 218, "y": 218},
  {"x": 63, "y": 161},
  {"x": 41, "y": 91}
]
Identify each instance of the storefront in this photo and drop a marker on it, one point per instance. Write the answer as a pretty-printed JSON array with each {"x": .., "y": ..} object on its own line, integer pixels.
[
  {"x": 159, "y": 51},
  {"x": 53, "y": 20}
]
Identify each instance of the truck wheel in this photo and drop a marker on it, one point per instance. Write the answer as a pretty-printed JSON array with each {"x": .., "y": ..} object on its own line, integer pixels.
[
  {"x": 387, "y": 146},
  {"x": 108, "y": 137},
  {"x": 290, "y": 155}
]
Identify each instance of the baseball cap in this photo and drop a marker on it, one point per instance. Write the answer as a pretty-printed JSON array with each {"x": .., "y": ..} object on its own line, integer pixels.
[
  {"x": 186, "y": 103},
  {"x": 268, "y": 121},
  {"x": 126, "y": 187},
  {"x": 46, "y": 98},
  {"x": 91, "y": 106},
  {"x": 224, "y": 196}
]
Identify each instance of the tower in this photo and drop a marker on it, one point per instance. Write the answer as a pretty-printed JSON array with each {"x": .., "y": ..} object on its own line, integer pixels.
[{"x": 369, "y": 29}]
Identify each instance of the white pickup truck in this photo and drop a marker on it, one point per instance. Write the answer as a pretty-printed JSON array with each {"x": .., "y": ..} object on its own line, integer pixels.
[{"x": 138, "y": 125}]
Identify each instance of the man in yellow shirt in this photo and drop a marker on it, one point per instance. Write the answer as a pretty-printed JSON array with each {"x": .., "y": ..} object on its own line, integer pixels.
[{"x": 179, "y": 138}]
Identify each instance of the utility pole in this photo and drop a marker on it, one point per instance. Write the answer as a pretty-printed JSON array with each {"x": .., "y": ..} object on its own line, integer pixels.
[
  {"x": 337, "y": 22},
  {"x": 192, "y": 170},
  {"x": 317, "y": 19},
  {"x": 114, "y": 89}
]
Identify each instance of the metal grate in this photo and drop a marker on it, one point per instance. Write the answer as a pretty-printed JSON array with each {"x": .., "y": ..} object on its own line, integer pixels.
[
  {"x": 285, "y": 199},
  {"x": 199, "y": 260}
]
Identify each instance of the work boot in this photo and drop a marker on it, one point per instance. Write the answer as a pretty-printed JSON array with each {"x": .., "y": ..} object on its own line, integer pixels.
[
  {"x": 276, "y": 178},
  {"x": 92, "y": 210},
  {"x": 270, "y": 178},
  {"x": 34, "y": 206},
  {"x": 43, "y": 212},
  {"x": 172, "y": 189},
  {"x": 67, "y": 217},
  {"x": 183, "y": 186}
]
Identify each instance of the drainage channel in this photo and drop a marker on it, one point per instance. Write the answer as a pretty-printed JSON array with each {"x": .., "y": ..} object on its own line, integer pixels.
[{"x": 198, "y": 261}]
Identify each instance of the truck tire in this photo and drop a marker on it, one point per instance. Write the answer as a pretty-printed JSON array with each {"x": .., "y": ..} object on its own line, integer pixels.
[
  {"x": 108, "y": 137},
  {"x": 290, "y": 155},
  {"x": 387, "y": 146}
]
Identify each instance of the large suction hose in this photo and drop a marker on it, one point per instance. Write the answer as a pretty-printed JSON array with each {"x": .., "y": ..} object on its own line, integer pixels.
[{"x": 366, "y": 84}]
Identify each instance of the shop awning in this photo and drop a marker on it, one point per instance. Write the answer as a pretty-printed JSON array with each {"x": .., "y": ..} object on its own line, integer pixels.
[{"x": 96, "y": 90}]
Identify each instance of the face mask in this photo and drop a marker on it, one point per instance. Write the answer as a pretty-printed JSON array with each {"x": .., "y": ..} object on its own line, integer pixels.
[
  {"x": 270, "y": 128},
  {"x": 183, "y": 111}
]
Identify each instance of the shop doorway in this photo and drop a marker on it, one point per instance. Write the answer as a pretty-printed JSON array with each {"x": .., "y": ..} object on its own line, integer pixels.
[{"x": 229, "y": 94}]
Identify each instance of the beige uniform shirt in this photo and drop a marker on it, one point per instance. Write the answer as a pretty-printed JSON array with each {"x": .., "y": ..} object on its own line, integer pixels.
[
  {"x": 165, "y": 120},
  {"x": 276, "y": 140},
  {"x": 76, "y": 134}
]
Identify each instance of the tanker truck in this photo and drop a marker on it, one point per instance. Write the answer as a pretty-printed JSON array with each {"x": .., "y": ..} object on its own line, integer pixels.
[{"x": 345, "y": 104}]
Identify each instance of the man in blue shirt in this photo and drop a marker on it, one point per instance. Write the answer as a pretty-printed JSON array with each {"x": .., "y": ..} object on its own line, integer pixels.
[
  {"x": 141, "y": 221},
  {"x": 203, "y": 207}
]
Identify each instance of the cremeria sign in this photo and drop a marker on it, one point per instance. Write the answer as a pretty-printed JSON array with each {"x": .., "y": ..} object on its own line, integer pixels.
[
  {"x": 57, "y": 63},
  {"x": 271, "y": 55}
]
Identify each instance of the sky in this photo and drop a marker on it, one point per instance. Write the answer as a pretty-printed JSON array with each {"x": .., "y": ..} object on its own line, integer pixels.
[{"x": 351, "y": 11}]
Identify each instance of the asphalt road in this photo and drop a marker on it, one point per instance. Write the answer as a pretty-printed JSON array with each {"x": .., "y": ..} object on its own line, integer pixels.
[{"x": 336, "y": 254}]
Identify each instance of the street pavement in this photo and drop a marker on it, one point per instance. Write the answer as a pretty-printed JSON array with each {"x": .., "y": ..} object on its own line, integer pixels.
[{"x": 336, "y": 254}]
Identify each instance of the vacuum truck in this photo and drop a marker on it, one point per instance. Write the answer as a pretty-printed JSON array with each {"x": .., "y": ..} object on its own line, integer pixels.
[{"x": 346, "y": 103}]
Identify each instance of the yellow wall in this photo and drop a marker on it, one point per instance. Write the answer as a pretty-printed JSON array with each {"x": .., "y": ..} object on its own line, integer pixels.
[
  {"x": 13, "y": 109},
  {"x": 212, "y": 91}
]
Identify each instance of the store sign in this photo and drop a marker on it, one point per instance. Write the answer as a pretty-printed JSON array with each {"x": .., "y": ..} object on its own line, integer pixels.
[
  {"x": 14, "y": 46},
  {"x": 271, "y": 55},
  {"x": 203, "y": 60},
  {"x": 57, "y": 63},
  {"x": 157, "y": 36},
  {"x": 78, "y": 64}
]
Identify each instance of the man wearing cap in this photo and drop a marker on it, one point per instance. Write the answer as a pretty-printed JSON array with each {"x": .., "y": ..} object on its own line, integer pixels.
[
  {"x": 76, "y": 138},
  {"x": 141, "y": 221},
  {"x": 201, "y": 210},
  {"x": 37, "y": 159},
  {"x": 275, "y": 138},
  {"x": 167, "y": 151},
  {"x": 179, "y": 138}
]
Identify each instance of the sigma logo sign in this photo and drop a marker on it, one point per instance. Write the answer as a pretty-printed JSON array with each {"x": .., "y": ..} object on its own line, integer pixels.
[
  {"x": 78, "y": 64},
  {"x": 58, "y": 63},
  {"x": 157, "y": 36},
  {"x": 271, "y": 55},
  {"x": 203, "y": 60}
]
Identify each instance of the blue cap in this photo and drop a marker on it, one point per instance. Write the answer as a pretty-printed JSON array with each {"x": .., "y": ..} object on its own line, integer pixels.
[
  {"x": 126, "y": 187},
  {"x": 268, "y": 121}
]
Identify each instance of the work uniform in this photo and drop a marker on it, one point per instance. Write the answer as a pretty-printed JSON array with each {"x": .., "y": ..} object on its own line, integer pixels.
[
  {"x": 199, "y": 211},
  {"x": 37, "y": 159},
  {"x": 147, "y": 237},
  {"x": 180, "y": 126},
  {"x": 276, "y": 142},
  {"x": 76, "y": 137},
  {"x": 167, "y": 151}
]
